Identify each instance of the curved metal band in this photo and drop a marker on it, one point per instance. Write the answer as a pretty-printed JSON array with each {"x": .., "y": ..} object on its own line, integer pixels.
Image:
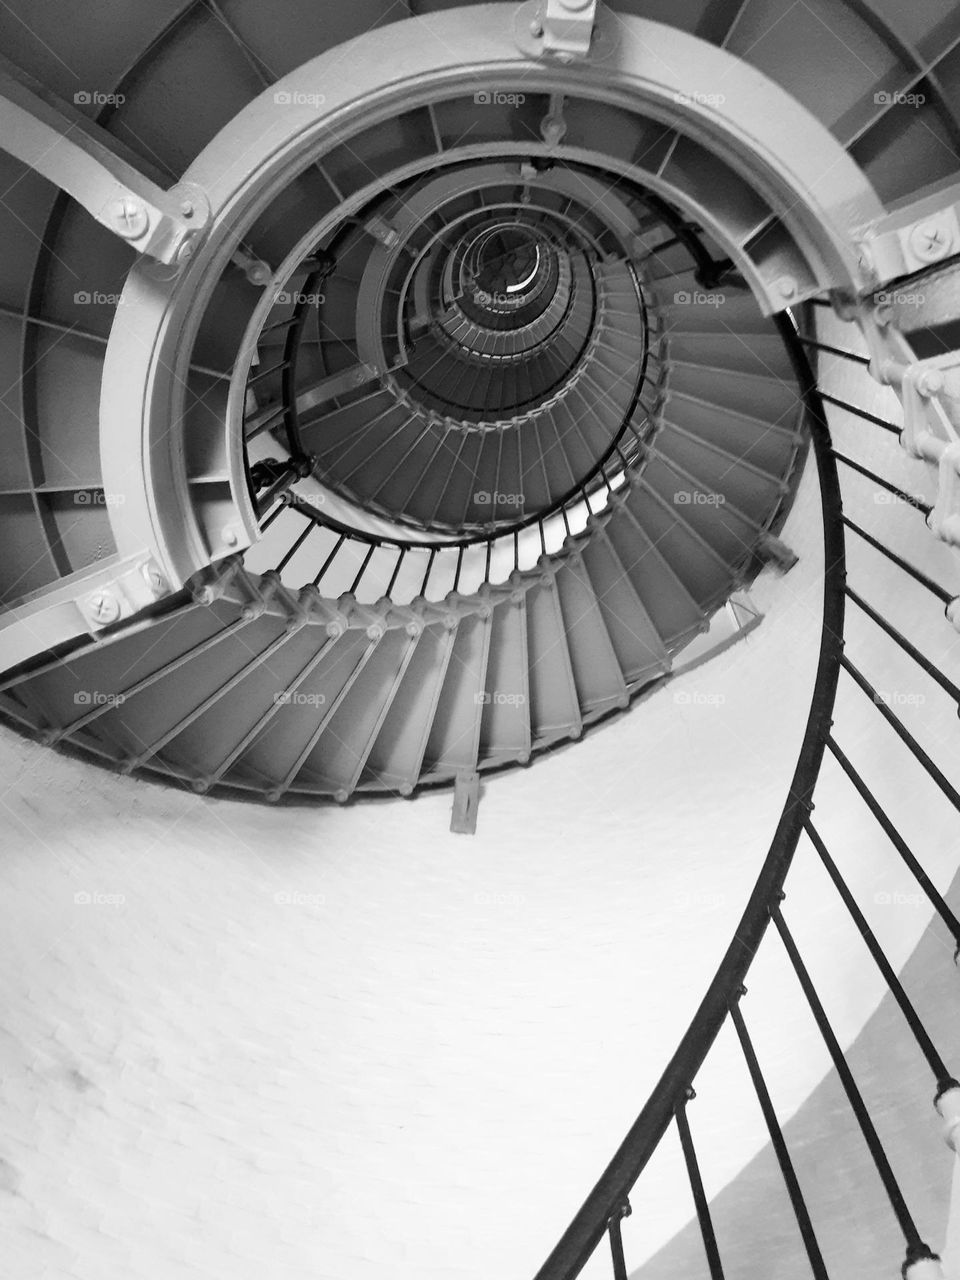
[{"x": 762, "y": 133}]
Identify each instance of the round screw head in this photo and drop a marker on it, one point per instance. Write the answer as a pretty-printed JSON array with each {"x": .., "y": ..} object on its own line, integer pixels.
[
  {"x": 129, "y": 218},
  {"x": 931, "y": 240},
  {"x": 230, "y": 537},
  {"x": 104, "y": 607},
  {"x": 155, "y": 579},
  {"x": 930, "y": 382}
]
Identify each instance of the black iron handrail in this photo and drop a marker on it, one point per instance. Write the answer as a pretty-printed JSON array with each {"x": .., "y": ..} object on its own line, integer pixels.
[
  {"x": 613, "y": 1188},
  {"x": 603, "y": 1209}
]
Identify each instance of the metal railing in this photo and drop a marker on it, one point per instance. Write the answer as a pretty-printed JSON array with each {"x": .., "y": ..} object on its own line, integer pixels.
[
  {"x": 608, "y": 1204},
  {"x": 272, "y": 483}
]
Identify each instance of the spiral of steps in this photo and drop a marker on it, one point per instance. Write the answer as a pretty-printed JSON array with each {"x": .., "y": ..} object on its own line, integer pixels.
[
  {"x": 394, "y": 395},
  {"x": 504, "y": 437}
]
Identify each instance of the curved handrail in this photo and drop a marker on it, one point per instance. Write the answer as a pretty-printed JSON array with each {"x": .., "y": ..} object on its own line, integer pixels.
[{"x": 609, "y": 1197}]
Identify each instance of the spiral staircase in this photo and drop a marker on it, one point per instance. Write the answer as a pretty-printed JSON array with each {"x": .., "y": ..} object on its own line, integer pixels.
[{"x": 394, "y": 397}]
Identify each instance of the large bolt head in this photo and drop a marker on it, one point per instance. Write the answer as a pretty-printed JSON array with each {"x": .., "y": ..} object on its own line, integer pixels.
[
  {"x": 104, "y": 607},
  {"x": 931, "y": 240},
  {"x": 129, "y": 218}
]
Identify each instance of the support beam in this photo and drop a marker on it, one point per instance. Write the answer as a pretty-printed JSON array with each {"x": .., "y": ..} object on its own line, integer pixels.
[
  {"x": 86, "y": 601},
  {"x": 65, "y": 146}
]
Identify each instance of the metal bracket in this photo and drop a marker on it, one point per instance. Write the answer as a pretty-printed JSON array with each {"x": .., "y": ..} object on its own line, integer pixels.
[
  {"x": 65, "y": 146},
  {"x": 137, "y": 586},
  {"x": 86, "y": 601},
  {"x": 914, "y": 237},
  {"x": 382, "y": 231},
  {"x": 466, "y": 801},
  {"x": 559, "y": 29},
  {"x": 776, "y": 553}
]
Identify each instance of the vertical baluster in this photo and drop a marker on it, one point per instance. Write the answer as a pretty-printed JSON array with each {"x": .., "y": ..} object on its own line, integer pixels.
[
  {"x": 396, "y": 570},
  {"x": 329, "y": 560},
  {"x": 917, "y": 1249},
  {"x": 426, "y": 576},
  {"x": 696, "y": 1186},
  {"x": 366, "y": 560},
  {"x": 616, "y": 1241},
  {"x": 779, "y": 1145}
]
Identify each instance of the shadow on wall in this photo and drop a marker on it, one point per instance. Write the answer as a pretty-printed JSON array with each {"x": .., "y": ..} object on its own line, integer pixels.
[{"x": 756, "y": 1229}]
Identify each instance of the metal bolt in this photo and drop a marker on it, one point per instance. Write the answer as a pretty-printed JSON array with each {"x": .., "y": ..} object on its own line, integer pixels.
[
  {"x": 405, "y": 788},
  {"x": 258, "y": 273},
  {"x": 335, "y": 630},
  {"x": 129, "y": 218},
  {"x": 552, "y": 129},
  {"x": 186, "y": 208},
  {"x": 104, "y": 607},
  {"x": 186, "y": 251},
  {"x": 414, "y": 629},
  {"x": 230, "y": 536},
  {"x": 342, "y": 795},
  {"x": 930, "y": 241},
  {"x": 786, "y": 286},
  {"x": 536, "y": 28},
  {"x": 154, "y": 579},
  {"x": 375, "y": 632},
  {"x": 930, "y": 382}
]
